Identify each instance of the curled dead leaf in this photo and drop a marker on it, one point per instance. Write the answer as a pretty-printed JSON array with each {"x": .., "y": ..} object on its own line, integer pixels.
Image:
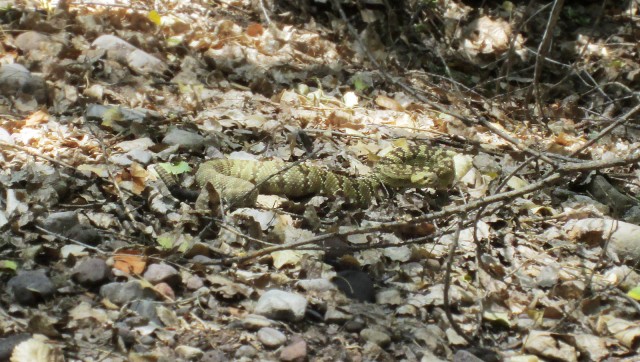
[
  {"x": 36, "y": 349},
  {"x": 255, "y": 29},
  {"x": 129, "y": 261},
  {"x": 389, "y": 103}
]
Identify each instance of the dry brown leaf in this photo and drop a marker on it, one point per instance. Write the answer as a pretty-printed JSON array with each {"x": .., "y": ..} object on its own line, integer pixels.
[
  {"x": 129, "y": 261},
  {"x": 546, "y": 344},
  {"x": 36, "y": 118},
  {"x": 389, "y": 103},
  {"x": 255, "y": 29},
  {"x": 628, "y": 333}
]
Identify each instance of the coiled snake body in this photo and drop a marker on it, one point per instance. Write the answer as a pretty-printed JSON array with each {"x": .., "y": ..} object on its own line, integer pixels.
[{"x": 240, "y": 181}]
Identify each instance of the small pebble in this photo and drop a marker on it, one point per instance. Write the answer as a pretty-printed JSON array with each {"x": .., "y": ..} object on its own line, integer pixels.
[
  {"x": 91, "y": 272},
  {"x": 157, "y": 273},
  {"x": 246, "y": 351},
  {"x": 121, "y": 293},
  {"x": 194, "y": 282},
  {"x": 297, "y": 350},
  {"x": 31, "y": 287},
  {"x": 188, "y": 352},
  {"x": 166, "y": 290},
  {"x": 271, "y": 337},
  {"x": 375, "y": 336},
  {"x": 281, "y": 305}
]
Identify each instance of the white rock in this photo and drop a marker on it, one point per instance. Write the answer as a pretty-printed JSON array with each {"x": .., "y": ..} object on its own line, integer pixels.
[
  {"x": 281, "y": 305},
  {"x": 271, "y": 337}
]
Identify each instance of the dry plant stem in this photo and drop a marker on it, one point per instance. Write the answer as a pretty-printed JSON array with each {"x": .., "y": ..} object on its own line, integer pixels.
[
  {"x": 543, "y": 49},
  {"x": 506, "y": 67},
  {"x": 232, "y": 230},
  {"x": 562, "y": 171},
  {"x": 624, "y": 118},
  {"x": 130, "y": 7},
  {"x": 417, "y": 241},
  {"x": 631, "y": 301},
  {"x": 121, "y": 198},
  {"x": 265, "y": 13},
  {"x": 64, "y": 238},
  {"x": 573, "y": 67},
  {"x": 447, "y": 283}
]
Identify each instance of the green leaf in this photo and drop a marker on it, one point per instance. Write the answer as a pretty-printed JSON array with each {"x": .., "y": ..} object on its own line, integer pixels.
[
  {"x": 184, "y": 247},
  {"x": 155, "y": 17},
  {"x": 175, "y": 40},
  {"x": 634, "y": 293},
  {"x": 165, "y": 241},
  {"x": 360, "y": 85},
  {"x": 175, "y": 168},
  {"x": 8, "y": 264},
  {"x": 498, "y": 318}
]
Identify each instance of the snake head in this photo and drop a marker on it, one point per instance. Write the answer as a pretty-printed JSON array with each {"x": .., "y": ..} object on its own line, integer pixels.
[
  {"x": 440, "y": 178},
  {"x": 423, "y": 179}
]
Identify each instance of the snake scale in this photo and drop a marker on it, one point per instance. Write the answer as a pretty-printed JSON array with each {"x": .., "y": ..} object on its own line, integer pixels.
[{"x": 404, "y": 167}]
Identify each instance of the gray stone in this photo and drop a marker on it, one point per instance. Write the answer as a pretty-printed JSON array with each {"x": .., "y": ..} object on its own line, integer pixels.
[
  {"x": 30, "y": 287},
  {"x": 157, "y": 273},
  {"x": 5, "y": 136},
  {"x": 7, "y": 344},
  {"x": 91, "y": 272},
  {"x": 194, "y": 282},
  {"x": 120, "y": 160},
  {"x": 58, "y": 222},
  {"x": 141, "y": 156},
  {"x": 375, "y": 336},
  {"x": 147, "y": 309},
  {"x": 189, "y": 353},
  {"x": 121, "y": 293},
  {"x": 271, "y": 337},
  {"x": 548, "y": 276},
  {"x": 464, "y": 356},
  {"x": 254, "y": 321},
  {"x": 281, "y": 305},
  {"x": 332, "y": 315},
  {"x": 214, "y": 356},
  {"x": 16, "y": 80},
  {"x": 31, "y": 40},
  {"x": 390, "y": 296},
  {"x": 317, "y": 285},
  {"x": 486, "y": 164},
  {"x": 184, "y": 139},
  {"x": 246, "y": 352},
  {"x": 297, "y": 350},
  {"x": 355, "y": 325}
]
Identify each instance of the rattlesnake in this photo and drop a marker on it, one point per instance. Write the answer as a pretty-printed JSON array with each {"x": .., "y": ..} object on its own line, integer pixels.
[{"x": 403, "y": 167}]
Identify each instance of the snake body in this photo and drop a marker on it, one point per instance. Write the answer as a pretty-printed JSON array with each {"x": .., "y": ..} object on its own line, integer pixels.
[{"x": 240, "y": 181}]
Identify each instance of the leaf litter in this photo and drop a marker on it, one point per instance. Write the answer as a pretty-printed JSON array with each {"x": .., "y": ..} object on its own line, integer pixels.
[{"x": 100, "y": 263}]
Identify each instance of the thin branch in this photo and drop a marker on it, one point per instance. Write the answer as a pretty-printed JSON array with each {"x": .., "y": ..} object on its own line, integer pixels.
[
  {"x": 116, "y": 186},
  {"x": 543, "y": 49},
  {"x": 624, "y": 118},
  {"x": 562, "y": 171},
  {"x": 447, "y": 284},
  {"x": 70, "y": 240}
]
